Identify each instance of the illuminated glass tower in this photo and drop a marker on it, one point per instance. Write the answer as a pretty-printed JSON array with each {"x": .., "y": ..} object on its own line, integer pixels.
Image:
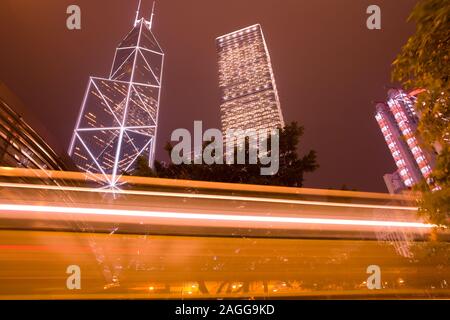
[
  {"x": 398, "y": 122},
  {"x": 249, "y": 97},
  {"x": 404, "y": 160},
  {"x": 119, "y": 115},
  {"x": 401, "y": 105}
]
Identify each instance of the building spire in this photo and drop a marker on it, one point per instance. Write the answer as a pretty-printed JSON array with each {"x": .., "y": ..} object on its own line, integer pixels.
[
  {"x": 136, "y": 20},
  {"x": 151, "y": 16}
]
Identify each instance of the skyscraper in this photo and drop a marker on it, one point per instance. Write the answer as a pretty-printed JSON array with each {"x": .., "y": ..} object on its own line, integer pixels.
[
  {"x": 398, "y": 120},
  {"x": 404, "y": 160},
  {"x": 249, "y": 97},
  {"x": 119, "y": 115},
  {"x": 24, "y": 141},
  {"x": 401, "y": 105}
]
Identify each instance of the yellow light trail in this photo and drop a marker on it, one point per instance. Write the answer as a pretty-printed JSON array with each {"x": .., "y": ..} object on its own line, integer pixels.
[
  {"x": 79, "y": 176},
  {"x": 206, "y": 196}
]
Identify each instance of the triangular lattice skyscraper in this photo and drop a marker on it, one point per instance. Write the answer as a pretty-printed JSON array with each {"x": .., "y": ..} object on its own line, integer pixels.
[{"x": 119, "y": 115}]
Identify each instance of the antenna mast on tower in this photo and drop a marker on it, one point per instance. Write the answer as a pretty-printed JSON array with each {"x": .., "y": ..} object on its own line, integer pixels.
[
  {"x": 153, "y": 13},
  {"x": 136, "y": 20}
]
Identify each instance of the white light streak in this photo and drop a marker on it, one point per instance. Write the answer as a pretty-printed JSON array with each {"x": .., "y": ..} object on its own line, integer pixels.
[{"x": 210, "y": 217}]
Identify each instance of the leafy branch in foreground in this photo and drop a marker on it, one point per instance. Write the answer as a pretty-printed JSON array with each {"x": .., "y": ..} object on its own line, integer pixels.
[{"x": 424, "y": 63}]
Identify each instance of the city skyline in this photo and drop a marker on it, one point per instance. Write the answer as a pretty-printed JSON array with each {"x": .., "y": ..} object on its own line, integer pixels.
[
  {"x": 217, "y": 151},
  {"x": 303, "y": 71}
]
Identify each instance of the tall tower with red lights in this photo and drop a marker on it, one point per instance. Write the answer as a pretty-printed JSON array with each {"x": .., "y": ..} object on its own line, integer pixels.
[{"x": 398, "y": 121}]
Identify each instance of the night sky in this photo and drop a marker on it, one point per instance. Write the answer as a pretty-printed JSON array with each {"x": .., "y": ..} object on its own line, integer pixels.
[{"x": 328, "y": 66}]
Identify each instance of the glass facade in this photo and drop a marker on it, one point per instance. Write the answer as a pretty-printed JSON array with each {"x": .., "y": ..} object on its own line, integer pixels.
[
  {"x": 249, "y": 97},
  {"x": 119, "y": 114},
  {"x": 402, "y": 107},
  {"x": 21, "y": 146},
  {"x": 403, "y": 157},
  {"x": 398, "y": 122}
]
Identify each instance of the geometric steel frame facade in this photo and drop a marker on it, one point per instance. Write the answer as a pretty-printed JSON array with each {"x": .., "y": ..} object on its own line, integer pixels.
[{"x": 119, "y": 115}]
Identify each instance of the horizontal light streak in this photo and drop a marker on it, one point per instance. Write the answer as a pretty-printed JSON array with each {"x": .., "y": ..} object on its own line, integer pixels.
[
  {"x": 206, "y": 196},
  {"x": 154, "y": 182},
  {"x": 210, "y": 217}
]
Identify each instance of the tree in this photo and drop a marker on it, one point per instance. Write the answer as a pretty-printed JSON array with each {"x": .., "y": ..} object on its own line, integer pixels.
[
  {"x": 291, "y": 171},
  {"x": 424, "y": 63}
]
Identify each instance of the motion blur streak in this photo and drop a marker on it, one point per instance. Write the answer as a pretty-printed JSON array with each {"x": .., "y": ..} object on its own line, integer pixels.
[
  {"x": 204, "y": 196},
  {"x": 33, "y": 266},
  {"x": 162, "y": 238},
  {"x": 214, "y": 217},
  {"x": 144, "y": 181}
]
